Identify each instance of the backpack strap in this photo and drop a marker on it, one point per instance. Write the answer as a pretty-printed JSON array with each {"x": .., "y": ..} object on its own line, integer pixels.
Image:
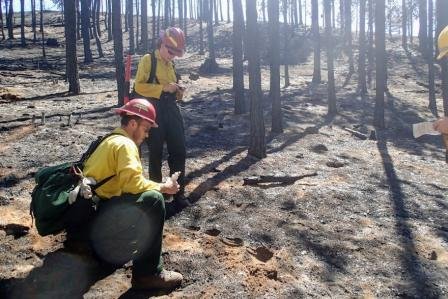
[
  {"x": 152, "y": 74},
  {"x": 92, "y": 147}
]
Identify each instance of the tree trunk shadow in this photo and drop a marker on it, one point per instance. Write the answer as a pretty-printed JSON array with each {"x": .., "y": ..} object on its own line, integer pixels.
[{"x": 422, "y": 287}]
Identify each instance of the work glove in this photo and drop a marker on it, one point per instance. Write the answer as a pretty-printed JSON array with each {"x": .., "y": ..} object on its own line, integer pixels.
[
  {"x": 82, "y": 188},
  {"x": 171, "y": 186},
  {"x": 85, "y": 189}
]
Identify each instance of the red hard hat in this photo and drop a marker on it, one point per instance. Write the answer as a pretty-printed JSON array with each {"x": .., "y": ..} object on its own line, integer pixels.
[
  {"x": 174, "y": 39},
  {"x": 141, "y": 108}
]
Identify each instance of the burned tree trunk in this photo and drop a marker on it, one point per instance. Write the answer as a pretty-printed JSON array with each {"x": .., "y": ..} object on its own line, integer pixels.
[
  {"x": 130, "y": 18},
  {"x": 9, "y": 19},
  {"x": 274, "y": 33},
  {"x": 442, "y": 22},
  {"x": 144, "y": 26},
  {"x": 430, "y": 57},
  {"x": 71, "y": 60},
  {"x": 380, "y": 57},
  {"x": 257, "y": 145},
  {"x": 316, "y": 40},
  {"x": 42, "y": 28},
  {"x": 362, "y": 84},
  {"x": 238, "y": 68},
  {"x": 96, "y": 15},
  {"x": 1, "y": 21},
  {"x": 85, "y": 29},
  {"x": 22, "y": 23},
  {"x": 330, "y": 60},
  {"x": 118, "y": 49}
]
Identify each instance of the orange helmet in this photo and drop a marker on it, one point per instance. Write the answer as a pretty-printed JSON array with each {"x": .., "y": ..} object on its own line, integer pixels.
[
  {"x": 141, "y": 108},
  {"x": 174, "y": 39}
]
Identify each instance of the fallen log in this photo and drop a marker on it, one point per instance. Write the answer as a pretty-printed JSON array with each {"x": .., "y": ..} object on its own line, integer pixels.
[
  {"x": 356, "y": 133},
  {"x": 255, "y": 180}
]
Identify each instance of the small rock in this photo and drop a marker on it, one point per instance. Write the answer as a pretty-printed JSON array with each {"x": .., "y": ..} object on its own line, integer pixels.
[
  {"x": 16, "y": 230},
  {"x": 194, "y": 76},
  {"x": 53, "y": 42},
  {"x": 319, "y": 149},
  {"x": 335, "y": 164},
  {"x": 300, "y": 156},
  {"x": 433, "y": 256}
]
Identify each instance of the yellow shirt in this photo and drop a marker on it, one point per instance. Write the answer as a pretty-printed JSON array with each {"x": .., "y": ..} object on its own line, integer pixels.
[
  {"x": 164, "y": 73},
  {"x": 118, "y": 155}
]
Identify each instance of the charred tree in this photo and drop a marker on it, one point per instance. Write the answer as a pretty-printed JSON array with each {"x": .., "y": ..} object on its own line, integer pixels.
[
  {"x": 238, "y": 68},
  {"x": 330, "y": 60},
  {"x": 144, "y": 26},
  {"x": 71, "y": 59},
  {"x": 22, "y": 23},
  {"x": 210, "y": 64},
  {"x": 404, "y": 26},
  {"x": 42, "y": 28},
  {"x": 1, "y": 21},
  {"x": 96, "y": 21},
  {"x": 118, "y": 49},
  {"x": 442, "y": 22},
  {"x": 85, "y": 30},
  {"x": 316, "y": 41},
  {"x": 79, "y": 21},
  {"x": 370, "y": 52},
  {"x": 10, "y": 19},
  {"x": 423, "y": 25},
  {"x": 33, "y": 20},
  {"x": 137, "y": 21},
  {"x": 201, "y": 30},
  {"x": 380, "y": 58},
  {"x": 167, "y": 13},
  {"x": 348, "y": 34},
  {"x": 286, "y": 41},
  {"x": 274, "y": 33},
  {"x": 109, "y": 20},
  {"x": 97, "y": 16},
  {"x": 362, "y": 84},
  {"x": 154, "y": 19},
  {"x": 430, "y": 57},
  {"x": 257, "y": 144},
  {"x": 130, "y": 18}
]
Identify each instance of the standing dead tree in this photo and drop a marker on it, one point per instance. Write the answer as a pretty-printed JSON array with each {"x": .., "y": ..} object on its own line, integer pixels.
[
  {"x": 238, "y": 68},
  {"x": 71, "y": 59},
  {"x": 257, "y": 144}
]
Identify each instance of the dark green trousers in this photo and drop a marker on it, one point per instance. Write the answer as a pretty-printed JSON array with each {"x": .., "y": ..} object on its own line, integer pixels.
[
  {"x": 171, "y": 132},
  {"x": 130, "y": 227}
]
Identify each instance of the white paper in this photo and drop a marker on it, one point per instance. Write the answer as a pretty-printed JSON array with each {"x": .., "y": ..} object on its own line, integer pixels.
[{"x": 423, "y": 128}]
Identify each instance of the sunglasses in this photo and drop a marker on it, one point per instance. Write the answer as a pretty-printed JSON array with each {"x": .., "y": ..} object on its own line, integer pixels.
[{"x": 170, "y": 51}]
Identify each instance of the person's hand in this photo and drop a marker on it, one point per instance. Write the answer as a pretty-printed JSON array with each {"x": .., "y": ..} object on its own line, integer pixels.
[
  {"x": 171, "y": 186},
  {"x": 441, "y": 125},
  {"x": 170, "y": 87},
  {"x": 180, "y": 93}
]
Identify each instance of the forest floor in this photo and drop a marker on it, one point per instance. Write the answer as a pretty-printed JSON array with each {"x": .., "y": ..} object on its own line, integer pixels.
[{"x": 369, "y": 221}]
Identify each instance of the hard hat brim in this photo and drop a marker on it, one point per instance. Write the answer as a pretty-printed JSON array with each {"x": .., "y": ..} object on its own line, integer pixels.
[
  {"x": 125, "y": 111},
  {"x": 442, "y": 54}
]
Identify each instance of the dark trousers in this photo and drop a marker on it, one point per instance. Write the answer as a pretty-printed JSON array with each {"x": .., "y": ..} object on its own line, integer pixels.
[
  {"x": 171, "y": 131},
  {"x": 130, "y": 227}
]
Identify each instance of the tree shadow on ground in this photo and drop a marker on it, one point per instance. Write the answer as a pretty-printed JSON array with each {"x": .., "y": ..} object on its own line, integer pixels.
[
  {"x": 421, "y": 285},
  {"x": 63, "y": 274}
]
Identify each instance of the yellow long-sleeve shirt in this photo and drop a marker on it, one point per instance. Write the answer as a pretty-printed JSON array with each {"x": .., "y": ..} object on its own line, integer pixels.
[
  {"x": 164, "y": 73},
  {"x": 118, "y": 155}
]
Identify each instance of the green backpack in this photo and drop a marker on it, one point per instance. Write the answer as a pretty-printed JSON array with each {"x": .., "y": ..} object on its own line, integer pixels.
[{"x": 49, "y": 199}]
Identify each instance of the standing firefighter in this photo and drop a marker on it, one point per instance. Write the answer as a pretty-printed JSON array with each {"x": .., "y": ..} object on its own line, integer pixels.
[
  {"x": 131, "y": 209},
  {"x": 157, "y": 81},
  {"x": 441, "y": 125}
]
